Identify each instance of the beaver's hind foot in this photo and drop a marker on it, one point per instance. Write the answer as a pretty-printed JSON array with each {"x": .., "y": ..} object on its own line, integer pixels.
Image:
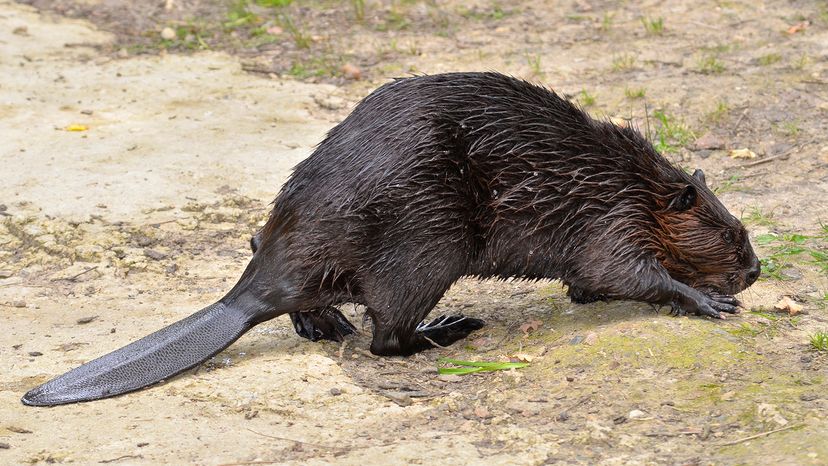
[
  {"x": 322, "y": 324},
  {"x": 445, "y": 330},
  {"x": 581, "y": 296}
]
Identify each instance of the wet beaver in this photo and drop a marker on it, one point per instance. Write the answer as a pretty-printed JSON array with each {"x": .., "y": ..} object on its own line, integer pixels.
[{"x": 437, "y": 177}]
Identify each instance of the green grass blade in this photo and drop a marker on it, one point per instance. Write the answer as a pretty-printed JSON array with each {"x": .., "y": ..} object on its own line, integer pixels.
[
  {"x": 458, "y": 370},
  {"x": 484, "y": 365}
]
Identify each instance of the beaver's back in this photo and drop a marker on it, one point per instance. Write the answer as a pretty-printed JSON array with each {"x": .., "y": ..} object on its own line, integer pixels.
[{"x": 479, "y": 164}]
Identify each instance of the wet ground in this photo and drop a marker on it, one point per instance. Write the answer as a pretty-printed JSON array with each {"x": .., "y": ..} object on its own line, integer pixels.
[{"x": 136, "y": 167}]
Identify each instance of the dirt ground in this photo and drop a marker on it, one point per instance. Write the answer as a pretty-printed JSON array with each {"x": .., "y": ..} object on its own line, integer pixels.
[{"x": 137, "y": 161}]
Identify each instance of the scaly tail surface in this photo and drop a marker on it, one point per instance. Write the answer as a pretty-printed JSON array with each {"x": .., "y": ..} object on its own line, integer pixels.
[{"x": 156, "y": 357}]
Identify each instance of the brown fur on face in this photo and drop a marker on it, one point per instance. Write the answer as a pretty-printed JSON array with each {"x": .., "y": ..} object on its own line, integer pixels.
[{"x": 704, "y": 246}]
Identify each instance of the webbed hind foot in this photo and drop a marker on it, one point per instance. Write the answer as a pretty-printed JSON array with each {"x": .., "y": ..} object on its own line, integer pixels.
[
  {"x": 322, "y": 324},
  {"x": 445, "y": 330}
]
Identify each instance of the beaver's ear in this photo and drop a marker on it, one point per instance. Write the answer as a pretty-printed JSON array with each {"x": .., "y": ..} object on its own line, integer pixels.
[
  {"x": 699, "y": 175},
  {"x": 685, "y": 199}
]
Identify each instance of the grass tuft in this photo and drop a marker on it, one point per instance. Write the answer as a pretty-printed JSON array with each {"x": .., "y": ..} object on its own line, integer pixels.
[
  {"x": 653, "y": 26},
  {"x": 710, "y": 65},
  {"x": 534, "y": 62},
  {"x": 786, "y": 249},
  {"x": 623, "y": 62},
  {"x": 359, "y": 9},
  {"x": 671, "y": 133},
  {"x": 585, "y": 98},
  {"x": 819, "y": 341},
  {"x": 637, "y": 93},
  {"x": 769, "y": 59}
]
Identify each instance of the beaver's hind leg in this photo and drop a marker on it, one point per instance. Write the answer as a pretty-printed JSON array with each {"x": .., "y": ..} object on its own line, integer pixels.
[
  {"x": 319, "y": 324},
  {"x": 397, "y": 306}
]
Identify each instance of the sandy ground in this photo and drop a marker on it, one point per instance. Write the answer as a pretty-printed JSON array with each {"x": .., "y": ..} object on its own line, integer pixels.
[{"x": 144, "y": 216}]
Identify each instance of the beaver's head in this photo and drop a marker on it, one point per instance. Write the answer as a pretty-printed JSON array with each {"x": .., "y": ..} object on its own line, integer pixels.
[{"x": 704, "y": 246}]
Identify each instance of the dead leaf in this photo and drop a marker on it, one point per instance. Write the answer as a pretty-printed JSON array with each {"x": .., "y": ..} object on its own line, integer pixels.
[
  {"x": 351, "y": 71},
  {"x": 530, "y": 326},
  {"x": 798, "y": 27},
  {"x": 522, "y": 357},
  {"x": 743, "y": 153},
  {"x": 786, "y": 304},
  {"x": 76, "y": 128}
]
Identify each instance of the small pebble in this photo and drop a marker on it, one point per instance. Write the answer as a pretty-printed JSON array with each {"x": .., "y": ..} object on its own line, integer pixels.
[
  {"x": 637, "y": 414},
  {"x": 167, "y": 34},
  {"x": 806, "y": 358},
  {"x": 563, "y": 416},
  {"x": 399, "y": 398},
  {"x": 154, "y": 255},
  {"x": 35, "y": 354},
  {"x": 143, "y": 240},
  {"x": 18, "y": 303},
  {"x": 709, "y": 141},
  {"x": 6, "y": 273},
  {"x": 86, "y": 320},
  {"x": 482, "y": 412},
  {"x": 4, "y": 446},
  {"x": 142, "y": 444},
  {"x": 808, "y": 396},
  {"x": 336, "y": 392}
]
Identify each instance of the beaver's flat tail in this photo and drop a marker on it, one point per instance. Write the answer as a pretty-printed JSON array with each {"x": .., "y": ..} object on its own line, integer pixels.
[{"x": 151, "y": 359}]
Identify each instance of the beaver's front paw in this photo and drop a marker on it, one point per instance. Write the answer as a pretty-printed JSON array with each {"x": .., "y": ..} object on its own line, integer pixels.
[{"x": 712, "y": 304}]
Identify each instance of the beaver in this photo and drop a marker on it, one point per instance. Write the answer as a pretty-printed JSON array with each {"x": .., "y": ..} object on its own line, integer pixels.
[{"x": 432, "y": 178}]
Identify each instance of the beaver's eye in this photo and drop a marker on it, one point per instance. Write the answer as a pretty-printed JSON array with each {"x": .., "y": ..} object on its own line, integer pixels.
[{"x": 728, "y": 236}]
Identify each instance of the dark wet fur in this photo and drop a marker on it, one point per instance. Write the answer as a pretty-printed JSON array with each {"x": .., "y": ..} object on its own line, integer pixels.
[{"x": 477, "y": 174}]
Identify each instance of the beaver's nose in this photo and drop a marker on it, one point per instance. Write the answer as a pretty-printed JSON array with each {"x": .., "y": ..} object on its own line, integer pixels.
[{"x": 754, "y": 272}]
